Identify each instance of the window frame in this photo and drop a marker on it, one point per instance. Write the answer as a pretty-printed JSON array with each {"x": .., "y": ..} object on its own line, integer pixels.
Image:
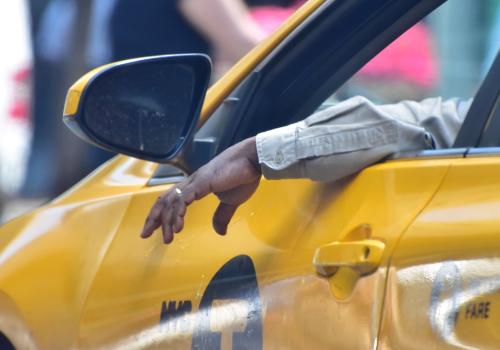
[
  {"x": 470, "y": 142},
  {"x": 296, "y": 65},
  {"x": 286, "y": 72}
]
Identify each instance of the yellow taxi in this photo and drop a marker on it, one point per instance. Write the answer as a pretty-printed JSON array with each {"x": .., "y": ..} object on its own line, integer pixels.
[{"x": 404, "y": 255}]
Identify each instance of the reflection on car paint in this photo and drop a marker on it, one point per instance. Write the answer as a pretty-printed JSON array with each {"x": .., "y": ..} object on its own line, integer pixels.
[
  {"x": 463, "y": 295},
  {"x": 444, "y": 305},
  {"x": 230, "y": 323},
  {"x": 231, "y": 303},
  {"x": 229, "y": 315},
  {"x": 172, "y": 313},
  {"x": 460, "y": 304}
]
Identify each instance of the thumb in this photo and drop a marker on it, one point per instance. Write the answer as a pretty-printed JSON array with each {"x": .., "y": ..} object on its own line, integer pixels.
[{"x": 223, "y": 214}]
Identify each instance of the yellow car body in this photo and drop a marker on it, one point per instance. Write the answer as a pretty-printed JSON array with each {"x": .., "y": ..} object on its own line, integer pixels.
[{"x": 404, "y": 255}]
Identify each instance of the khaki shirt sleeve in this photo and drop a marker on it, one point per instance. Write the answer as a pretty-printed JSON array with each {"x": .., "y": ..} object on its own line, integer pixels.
[{"x": 356, "y": 133}]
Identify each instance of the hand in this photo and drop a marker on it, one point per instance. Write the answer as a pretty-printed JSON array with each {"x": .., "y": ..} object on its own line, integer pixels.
[{"x": 233, "y": 176}]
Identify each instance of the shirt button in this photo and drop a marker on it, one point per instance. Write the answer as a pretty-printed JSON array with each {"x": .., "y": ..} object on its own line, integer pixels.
[{"x": 279, "y": 157}]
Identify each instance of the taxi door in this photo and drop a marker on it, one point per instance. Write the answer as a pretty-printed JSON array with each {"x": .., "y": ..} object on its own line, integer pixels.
[
  {"x": 276, "y": 280},
  {"x": 444, "y": 280}
]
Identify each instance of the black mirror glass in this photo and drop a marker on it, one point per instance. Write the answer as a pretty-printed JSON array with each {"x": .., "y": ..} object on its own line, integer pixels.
[{"x": 146, "y": 108}]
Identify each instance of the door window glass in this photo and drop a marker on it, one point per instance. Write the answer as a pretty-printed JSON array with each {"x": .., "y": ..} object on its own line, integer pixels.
[{"x": 447, "y": 54}]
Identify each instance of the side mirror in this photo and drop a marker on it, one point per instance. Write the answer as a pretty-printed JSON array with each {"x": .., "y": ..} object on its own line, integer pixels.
[{"x": 145, "y": 108}]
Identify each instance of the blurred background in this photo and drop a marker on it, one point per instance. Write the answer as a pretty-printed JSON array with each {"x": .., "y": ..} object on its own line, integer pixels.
[{"x": 48, "y": 44}]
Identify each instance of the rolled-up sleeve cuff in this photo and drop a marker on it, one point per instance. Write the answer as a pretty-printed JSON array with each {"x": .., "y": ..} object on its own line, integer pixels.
[
  {"x": 294, "y": 171},
  {"x": 286, "y": 152},
  {"x": 276, "y": 150}
]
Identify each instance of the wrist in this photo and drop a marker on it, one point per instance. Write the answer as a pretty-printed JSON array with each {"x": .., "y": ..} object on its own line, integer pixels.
[{"x": 250, "y": 150}]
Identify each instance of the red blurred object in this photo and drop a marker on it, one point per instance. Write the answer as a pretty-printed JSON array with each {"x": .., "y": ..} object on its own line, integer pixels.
[
  {"x": 410, "y": 58},
  {"x": 22, "y": 75},
  {"x": 19, "y": 108}
]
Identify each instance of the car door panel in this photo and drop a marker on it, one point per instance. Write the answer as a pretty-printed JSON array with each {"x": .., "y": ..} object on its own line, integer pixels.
[
  {"x": 257, "y": 285},
  {"x": 51, "y": 255},
  {"x": 444, "y": 280}
]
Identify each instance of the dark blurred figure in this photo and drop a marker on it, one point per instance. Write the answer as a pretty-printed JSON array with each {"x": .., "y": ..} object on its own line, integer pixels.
[
  {"x": 58, "y": 159},
  {"x": 223, "y": 29}
]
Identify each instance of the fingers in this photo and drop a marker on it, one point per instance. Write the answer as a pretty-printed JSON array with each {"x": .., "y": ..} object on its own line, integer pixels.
[
  {"x": 168, "y": 212},
  {"x": 178, "y": 210},
  {"x": 223, "y": 176},
  {"x": 153, "y": 220},
  {"x": 179, "y": 224},
  {"x": 166, "y": 224},
  {"x": 222, "y": 216}
]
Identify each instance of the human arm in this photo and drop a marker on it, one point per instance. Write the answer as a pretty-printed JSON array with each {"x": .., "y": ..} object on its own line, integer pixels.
[
  {"x": 226, "y": 24},
  {"x": 346, "y": 138},
  {"x": 327, "y": 146},
  {"x": 233, "y": 176}
]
